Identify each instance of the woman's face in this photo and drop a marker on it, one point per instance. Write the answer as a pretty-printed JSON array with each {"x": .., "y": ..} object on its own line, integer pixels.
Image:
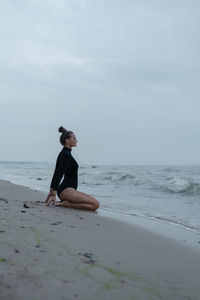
[{"x": 72, "y": 141}]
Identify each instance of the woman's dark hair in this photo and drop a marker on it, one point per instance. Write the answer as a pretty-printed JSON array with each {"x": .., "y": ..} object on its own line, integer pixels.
[{"x": 66, "y": 134}]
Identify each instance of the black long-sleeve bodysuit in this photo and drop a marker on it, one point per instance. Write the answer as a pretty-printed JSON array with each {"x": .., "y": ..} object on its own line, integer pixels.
[{"x": 65, "y": 166}]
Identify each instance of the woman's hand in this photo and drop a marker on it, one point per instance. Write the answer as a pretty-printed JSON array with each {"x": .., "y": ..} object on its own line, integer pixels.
[
  {"x": 51, "y": 199},
  {"x": 48, "y": 196}
]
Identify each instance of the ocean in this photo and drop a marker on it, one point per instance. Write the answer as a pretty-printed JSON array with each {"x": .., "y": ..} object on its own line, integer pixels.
[{"x": 163, "y": 193}]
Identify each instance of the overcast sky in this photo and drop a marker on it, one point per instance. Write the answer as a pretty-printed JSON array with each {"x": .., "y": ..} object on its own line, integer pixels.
[{"x": 123, "y": 75}]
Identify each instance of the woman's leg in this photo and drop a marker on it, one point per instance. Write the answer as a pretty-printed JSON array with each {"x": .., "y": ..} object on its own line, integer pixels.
[{"x": 74, "y": 199}]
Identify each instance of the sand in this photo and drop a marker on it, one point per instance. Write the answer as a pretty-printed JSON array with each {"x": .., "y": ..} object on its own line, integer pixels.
[{"x": 60, "y": 253}]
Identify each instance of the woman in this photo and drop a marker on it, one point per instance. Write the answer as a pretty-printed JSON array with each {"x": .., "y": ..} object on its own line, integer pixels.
[{"x": 67, "y": 166}]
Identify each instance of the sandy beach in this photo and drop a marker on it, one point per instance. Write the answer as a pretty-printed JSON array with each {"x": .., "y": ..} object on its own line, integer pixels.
[{"x": 58, "y": 253}]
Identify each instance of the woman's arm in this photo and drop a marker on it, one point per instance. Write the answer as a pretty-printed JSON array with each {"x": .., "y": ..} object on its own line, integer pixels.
[{"x": 62, "y": 164}]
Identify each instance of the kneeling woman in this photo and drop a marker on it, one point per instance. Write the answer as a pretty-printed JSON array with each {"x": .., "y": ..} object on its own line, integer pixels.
[{"x": 67, "y": 190}]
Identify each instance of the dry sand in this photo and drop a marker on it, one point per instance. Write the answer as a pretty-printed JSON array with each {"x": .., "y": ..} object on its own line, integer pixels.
[{"x": 59, "y": 253}]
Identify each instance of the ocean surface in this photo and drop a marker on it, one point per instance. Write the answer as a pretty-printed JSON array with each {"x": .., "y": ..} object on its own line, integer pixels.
[{"x": 163, "y": 193}]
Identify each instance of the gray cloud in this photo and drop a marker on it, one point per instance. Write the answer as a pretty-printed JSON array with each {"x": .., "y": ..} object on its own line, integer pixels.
[{"x": 123, "y": 76}]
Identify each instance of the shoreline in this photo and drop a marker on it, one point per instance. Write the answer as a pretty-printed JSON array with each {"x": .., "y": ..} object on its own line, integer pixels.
[
  {"x": 180, "y": 234},
  {"x": 173, "y": 200},
  {"x": 58, "y": 253}
]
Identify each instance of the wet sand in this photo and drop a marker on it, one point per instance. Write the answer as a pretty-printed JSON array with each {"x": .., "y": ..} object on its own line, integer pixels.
[{"x": 59, "y": 253}]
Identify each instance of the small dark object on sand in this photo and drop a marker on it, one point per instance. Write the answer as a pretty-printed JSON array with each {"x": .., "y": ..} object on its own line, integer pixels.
[
  {"x": 88, "y": 255},
  {"x": 39, "y": 178},
  {"x": 56, "y": 223},
  {"x": 122, "y": 281},
  {"x": 90, "y": 261},
  {"x": 79, "y": 217},
  {"x": 26, "y": 206},
  {"x": 23, "y": 211}
]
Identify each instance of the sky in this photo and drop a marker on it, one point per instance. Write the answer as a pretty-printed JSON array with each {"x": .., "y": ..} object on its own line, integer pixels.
[{"x": 122, "y": 75}]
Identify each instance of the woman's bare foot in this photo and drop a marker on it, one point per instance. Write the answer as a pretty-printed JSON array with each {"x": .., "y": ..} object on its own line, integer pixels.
[{"x": 64, "y": 203}]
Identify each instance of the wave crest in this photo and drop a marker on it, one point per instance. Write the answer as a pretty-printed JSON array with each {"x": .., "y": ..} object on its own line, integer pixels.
[
  {"x": 125, "y": 177},
  {"x": 182, "y": 185}
]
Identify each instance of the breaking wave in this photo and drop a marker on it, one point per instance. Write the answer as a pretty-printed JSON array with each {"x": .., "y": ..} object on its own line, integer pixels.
[{"x": 182, "y": 185}]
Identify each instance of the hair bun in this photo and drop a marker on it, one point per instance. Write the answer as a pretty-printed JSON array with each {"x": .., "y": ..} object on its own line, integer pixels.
[{"x": 62, "y": 129}]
